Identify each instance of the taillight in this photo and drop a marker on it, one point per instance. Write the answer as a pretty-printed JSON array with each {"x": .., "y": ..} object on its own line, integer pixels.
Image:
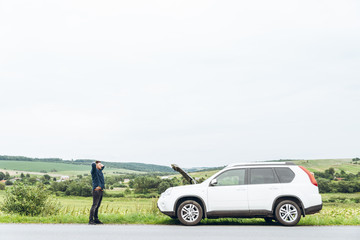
[{"x": 311, "y": 176}]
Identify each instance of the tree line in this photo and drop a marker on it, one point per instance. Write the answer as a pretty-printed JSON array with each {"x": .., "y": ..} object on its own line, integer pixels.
[{"x": 331, "y": 181}]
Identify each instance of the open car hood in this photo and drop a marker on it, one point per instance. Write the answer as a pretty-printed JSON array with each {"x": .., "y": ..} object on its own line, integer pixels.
[{"x": 183, "y": 173}]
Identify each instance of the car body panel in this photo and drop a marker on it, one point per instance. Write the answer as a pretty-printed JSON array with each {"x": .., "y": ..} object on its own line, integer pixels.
[{"x": 246, "y": 200}]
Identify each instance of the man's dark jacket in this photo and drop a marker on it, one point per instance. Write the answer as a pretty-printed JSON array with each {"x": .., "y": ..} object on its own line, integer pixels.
[{"x": 97, "y": 177}]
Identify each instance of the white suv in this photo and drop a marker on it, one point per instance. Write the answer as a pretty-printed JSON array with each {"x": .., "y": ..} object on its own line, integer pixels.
[{"x": 274, "y": 191}]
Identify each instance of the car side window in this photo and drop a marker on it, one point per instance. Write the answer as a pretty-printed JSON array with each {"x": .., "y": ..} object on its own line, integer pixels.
[
  {"x": 231, "y": 177},
  {"x": 285, "y": 174},
  {"x": 262, "y": 176}
]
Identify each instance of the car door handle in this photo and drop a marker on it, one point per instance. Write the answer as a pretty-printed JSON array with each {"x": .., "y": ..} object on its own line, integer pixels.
[
  {"x": 274, "y": 188},
  {"x": 240, "y": 189}
]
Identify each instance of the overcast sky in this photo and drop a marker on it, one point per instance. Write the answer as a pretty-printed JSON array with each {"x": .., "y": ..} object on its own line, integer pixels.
[{"x": 197, "y": 83}]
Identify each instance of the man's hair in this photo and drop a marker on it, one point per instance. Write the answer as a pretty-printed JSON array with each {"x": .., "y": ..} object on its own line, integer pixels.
[{"x": 97, "y": 162}]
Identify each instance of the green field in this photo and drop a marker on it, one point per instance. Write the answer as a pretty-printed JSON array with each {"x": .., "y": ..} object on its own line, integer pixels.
[
  {"x": 144, "y": 211},
  {"x": 318, "y": 165},
  {"x": 321, "y": 165},
  {"x": 49, "y": 167},
  {"x": 76, "y": 169},
  {"x": 313, "y": 165}
]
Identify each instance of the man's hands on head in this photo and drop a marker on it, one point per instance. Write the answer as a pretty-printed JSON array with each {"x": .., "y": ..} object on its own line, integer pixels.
[{"x": 99, "y": 166}]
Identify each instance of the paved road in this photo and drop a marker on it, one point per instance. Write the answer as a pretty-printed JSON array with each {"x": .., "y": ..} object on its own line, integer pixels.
[{"x": 158, "y": 232}]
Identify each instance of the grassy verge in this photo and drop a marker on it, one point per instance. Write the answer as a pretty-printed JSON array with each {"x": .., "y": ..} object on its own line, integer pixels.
[{"x": 339, "y": 209}]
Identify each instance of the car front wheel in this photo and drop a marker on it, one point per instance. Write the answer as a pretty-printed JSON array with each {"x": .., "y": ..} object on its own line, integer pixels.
[
  {"x": 288, "y": 213},
  {"x": 189, "y": 213}
]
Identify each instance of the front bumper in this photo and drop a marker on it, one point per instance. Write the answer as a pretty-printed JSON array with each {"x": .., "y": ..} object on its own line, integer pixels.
[
  {"x": 170, "y": 214},
  {"x": 313, "y": 209},
  {"x": 163, "y": 208}
]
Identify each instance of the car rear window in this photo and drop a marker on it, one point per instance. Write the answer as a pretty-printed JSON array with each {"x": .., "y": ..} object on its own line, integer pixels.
[
  {"x": 284, "y": 174},
  {"x": 262, "y": 176}
]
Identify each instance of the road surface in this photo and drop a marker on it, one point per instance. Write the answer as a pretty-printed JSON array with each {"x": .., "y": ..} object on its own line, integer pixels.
[{"x": 171, "y": 232}]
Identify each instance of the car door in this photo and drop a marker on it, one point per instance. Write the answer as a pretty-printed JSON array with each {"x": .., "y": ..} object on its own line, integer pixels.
[
  {"x": 229, "y": 193},
  {"x": 263, "y": 188}
]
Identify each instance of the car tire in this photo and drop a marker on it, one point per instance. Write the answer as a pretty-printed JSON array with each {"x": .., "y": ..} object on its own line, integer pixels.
[
  {"x": 190, "y": 213},
  {"x": 288, "y": 213}
]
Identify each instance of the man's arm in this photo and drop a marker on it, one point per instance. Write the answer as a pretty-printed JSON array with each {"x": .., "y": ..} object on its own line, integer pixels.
[{"x": 93, "y": 168}]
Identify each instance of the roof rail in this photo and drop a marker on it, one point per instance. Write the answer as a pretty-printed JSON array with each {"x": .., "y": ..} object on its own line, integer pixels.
[{"x": 260, "y": 164}]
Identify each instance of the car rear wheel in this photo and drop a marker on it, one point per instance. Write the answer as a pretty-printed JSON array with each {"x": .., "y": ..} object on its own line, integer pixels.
[
  {"x": 190, "y": 213},
  {"x": 288, "y": 213}
]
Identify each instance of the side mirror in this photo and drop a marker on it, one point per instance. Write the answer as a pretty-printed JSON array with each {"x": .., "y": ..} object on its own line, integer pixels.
[{"x": 214, "y": 182}]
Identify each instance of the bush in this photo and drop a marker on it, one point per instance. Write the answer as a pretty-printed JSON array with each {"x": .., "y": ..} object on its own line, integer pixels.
[
  {"x": 2, "y": 186},
  {"x": 145, "y": 184},
  {"x": 163, "y": 186},
  {"x": 114, "y": 195},
  {"x": 148, "y": 195},
  {"x": 78, "y": 188},
  {"x": 324, "y": 185},
  {"x": 9, "y": 183},
  {"x": 29, "y": 200}
]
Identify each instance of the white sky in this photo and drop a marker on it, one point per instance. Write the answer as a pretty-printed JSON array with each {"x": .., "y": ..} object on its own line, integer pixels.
[{"x": 197, "y": 83}]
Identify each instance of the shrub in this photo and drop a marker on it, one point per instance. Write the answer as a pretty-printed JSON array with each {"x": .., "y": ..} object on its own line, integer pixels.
[
  {"x": 2, "y": 186},
  {"x": 145, "y": 184},
  {"x": 8, "y": 183},
  {"x": 78, "y": 188},
  {"x": 29, "y": 200},
  {"x": 114, "y": 195},
  {"x": 148, "y": 195},
  {"x": 324, "y": 185},
  {"x": 163, "y": 186}
]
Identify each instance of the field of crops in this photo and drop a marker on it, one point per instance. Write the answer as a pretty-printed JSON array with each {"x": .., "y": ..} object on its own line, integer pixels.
[
  {"x": 323, "y": 164},
  {"x": 49, "y": 167},
  {"x": 339, "y": 209},
  {"x": 312, "y": 165}
]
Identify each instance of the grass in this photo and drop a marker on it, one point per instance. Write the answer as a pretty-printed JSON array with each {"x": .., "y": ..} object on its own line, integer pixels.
[
  {"x": 74, "y": 169},
  {"x": 61, "y": 168},
  {"x": 144, "y": 211},
  {"x": 323, "y": 164},
  {"x": 341, "y": 197}
]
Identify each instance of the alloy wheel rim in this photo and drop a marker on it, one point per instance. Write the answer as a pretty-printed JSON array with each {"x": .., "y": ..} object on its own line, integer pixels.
[
  {"x": 288, "y": 212},
  {"x": 190, "y": 213}
]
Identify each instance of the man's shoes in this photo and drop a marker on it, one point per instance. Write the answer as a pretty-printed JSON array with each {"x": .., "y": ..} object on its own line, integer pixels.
[
  {"x": 97, "y": 221},
  {"x": 92, "y": 222}
]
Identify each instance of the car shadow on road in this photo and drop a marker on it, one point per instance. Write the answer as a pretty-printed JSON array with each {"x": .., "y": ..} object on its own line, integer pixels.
[{"x": 227, "y": 221}]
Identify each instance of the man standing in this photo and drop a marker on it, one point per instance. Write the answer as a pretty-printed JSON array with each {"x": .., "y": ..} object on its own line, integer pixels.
[{"x": 98, "y": 185}]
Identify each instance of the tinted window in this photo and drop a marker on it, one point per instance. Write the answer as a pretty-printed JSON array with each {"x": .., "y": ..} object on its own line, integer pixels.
[
  {"x": 285, "y": 175},
  {"x": 262, "y": 175},
  {"x": 231, "y": 177}
]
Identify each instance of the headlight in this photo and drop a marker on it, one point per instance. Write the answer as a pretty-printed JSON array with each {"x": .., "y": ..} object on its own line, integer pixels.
[{"x": 167, "y": 192}]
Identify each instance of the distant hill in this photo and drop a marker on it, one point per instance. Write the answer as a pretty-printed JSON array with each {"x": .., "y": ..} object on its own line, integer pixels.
[
  {"x": 320, "y": 165},
  {"x": 203, "y": 169},
  {"x": 81, "y": 166},
  {"x": 316, "y": 165},
  {"x": 141, "y": 167},
  {"x": 59, "y": 164}
]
